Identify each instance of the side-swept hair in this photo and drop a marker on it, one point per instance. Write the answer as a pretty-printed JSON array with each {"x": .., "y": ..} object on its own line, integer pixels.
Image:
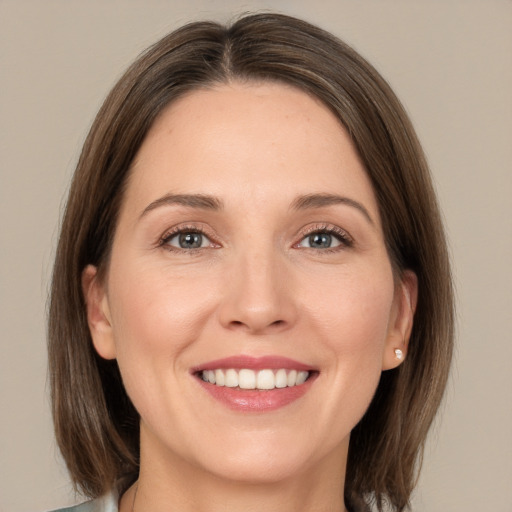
[{"x": 96, "y": 425}]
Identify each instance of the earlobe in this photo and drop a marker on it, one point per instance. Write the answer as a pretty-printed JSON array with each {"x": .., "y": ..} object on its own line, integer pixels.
[
  {"x": 401, "y": 323},
  {"x": 98, "y": 313}
]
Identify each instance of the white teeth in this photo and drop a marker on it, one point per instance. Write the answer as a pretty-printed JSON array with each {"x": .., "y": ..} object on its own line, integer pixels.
[
  {"x": 246, "y": 379},
  {"x": 250, "y": 379},
  {"x": 266, "y": 380},
  {"x": 281, "y": 379},
  {"x": 292, "y": 378},
  {"x": 301, "y": 378},
  {"x": 231, "y": 380},
  {"x": 219, "y": 378}
]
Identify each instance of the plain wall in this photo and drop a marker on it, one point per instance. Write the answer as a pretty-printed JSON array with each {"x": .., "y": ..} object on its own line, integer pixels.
[{"x": 450, "y": 63}]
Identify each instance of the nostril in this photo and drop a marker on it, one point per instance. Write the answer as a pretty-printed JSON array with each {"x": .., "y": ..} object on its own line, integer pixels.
[{"x": 255, "y": 326}]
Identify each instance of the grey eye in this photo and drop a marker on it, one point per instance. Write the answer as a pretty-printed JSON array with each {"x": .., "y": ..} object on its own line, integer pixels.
[
  {"x": 320, "y": 240},
  {"x": 189, "y": 240}
]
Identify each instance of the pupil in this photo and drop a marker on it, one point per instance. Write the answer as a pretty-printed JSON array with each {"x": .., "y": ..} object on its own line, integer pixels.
[
  {"x": 320, "y": 240},
  {"x": 190, "y": 240}
]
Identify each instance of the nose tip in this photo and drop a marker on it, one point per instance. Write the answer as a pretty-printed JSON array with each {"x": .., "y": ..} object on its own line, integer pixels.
[{"x": 258, "y": 299}]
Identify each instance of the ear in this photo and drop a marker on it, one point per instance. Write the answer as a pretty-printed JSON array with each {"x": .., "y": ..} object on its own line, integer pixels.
[
  {"x": 401, "y": 320},
  {"x": 98, "y": 313}
]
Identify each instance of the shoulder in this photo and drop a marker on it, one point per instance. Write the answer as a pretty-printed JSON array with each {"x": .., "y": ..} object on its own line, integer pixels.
[{"x": 107, "y": 503}]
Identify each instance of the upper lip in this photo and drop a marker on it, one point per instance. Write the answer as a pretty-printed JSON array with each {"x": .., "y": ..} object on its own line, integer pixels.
[{"x": 253, "y": 363}]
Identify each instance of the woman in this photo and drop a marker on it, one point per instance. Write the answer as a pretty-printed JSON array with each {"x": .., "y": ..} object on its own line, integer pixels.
[{"x": 251, "y": 303}]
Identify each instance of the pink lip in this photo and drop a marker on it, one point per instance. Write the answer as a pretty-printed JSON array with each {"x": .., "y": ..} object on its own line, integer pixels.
[
  {"x": 253, "y": 363},
  {"x": 253, "y": 400}
]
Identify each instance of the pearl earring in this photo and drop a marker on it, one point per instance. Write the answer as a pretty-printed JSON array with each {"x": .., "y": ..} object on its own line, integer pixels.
[{"x": 398, "y": 353}]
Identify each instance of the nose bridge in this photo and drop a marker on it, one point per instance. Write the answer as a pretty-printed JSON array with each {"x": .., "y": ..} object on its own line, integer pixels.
[{"x": 257, "y": 296}]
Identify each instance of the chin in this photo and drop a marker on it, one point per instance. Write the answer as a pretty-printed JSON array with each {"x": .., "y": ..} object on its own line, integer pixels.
[
  {"x": 262, "y": 469},
  {"x": 268, "y": 458}
]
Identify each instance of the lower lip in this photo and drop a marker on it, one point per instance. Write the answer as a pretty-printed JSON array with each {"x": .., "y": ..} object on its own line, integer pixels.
[{"x": 253, "y": 400}]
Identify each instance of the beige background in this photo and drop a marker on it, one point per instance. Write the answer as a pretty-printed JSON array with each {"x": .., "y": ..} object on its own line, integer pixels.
[{"x": 450, "y": 63}]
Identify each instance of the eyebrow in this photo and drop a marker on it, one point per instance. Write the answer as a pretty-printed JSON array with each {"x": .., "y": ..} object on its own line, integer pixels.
[
  {"x": 200, "y": 201},
  {"x": 311, "y": 201},
  {"x": 207, "y": 202}
]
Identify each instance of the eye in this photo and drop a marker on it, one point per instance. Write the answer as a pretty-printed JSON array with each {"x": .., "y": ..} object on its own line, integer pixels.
[
  {"x": 187, "y": 240},
  {"x": 319, "y": 241},
  {"x": 326, "y": 238}
]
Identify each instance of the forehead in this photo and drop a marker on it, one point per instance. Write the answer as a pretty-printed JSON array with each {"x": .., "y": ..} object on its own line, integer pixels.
[{"x": 257, "y": 142}]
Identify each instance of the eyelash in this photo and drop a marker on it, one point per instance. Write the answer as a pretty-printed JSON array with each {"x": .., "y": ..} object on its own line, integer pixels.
[
  {"x": 178, "y": 230},
  {"x": 346, "y": 241}
]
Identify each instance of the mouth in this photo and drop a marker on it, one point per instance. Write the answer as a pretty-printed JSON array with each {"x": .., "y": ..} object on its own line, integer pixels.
[
  {"x": 263, "y": 380},
  {"x": 245, "y": 383}
]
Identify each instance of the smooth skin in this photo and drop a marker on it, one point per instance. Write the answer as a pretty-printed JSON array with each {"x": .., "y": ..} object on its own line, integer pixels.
[{"x": 221, "y": 250}]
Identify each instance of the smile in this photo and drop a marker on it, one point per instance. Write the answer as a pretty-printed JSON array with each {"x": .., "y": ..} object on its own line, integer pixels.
[
  {"x": 262, "y": 380},
  {"x": 255, "y": 384}
]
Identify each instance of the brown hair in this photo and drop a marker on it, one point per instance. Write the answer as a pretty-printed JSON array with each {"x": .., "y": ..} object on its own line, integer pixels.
[{"x": 96, "y": 424}]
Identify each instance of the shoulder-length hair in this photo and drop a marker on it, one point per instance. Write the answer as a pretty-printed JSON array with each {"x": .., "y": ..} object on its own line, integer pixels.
[{"x": 96, "y": 425}]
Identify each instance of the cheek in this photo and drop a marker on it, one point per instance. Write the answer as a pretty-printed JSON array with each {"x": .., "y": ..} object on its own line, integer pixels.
[
  {"x": 364, "y": 315},
  {"x": 156, "y": 317},
  {"x": 354, "y": 309},
  {"x": 157, "y": 314},
  {"x": 352, "y": 323}
]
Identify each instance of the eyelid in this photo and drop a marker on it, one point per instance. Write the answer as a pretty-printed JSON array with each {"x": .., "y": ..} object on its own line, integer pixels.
[
  {"x": 187, "y": 228},
  {"x": 346, "y": 240}
]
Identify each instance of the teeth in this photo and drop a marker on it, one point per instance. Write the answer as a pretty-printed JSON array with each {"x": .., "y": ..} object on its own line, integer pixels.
[
  {"x": 250, "y": 379},
  {"x": 219, "y": 378},
  {"x": 281, "y": 379},
  {"x": 231, "y": 379},
  {"x": 246, "y": 379},
  {"x": 266, "y": 380},
  {"x": 301, "y": 378}
]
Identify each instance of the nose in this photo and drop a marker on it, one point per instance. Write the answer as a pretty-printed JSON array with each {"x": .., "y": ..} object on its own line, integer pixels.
[{"x": 258, "y": 295}]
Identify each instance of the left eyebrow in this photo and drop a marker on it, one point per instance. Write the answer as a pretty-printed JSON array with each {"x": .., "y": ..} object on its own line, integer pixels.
[
  {"x": 200, "y": 201},
  {"x": 311, "y": 201}
]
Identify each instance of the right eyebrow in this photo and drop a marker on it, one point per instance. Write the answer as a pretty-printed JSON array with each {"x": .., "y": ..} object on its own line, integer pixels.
[{"x": 200, "y": 201}]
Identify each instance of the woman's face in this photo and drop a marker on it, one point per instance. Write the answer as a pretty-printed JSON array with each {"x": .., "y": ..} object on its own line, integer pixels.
[{"x": 248, "y": 252}]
